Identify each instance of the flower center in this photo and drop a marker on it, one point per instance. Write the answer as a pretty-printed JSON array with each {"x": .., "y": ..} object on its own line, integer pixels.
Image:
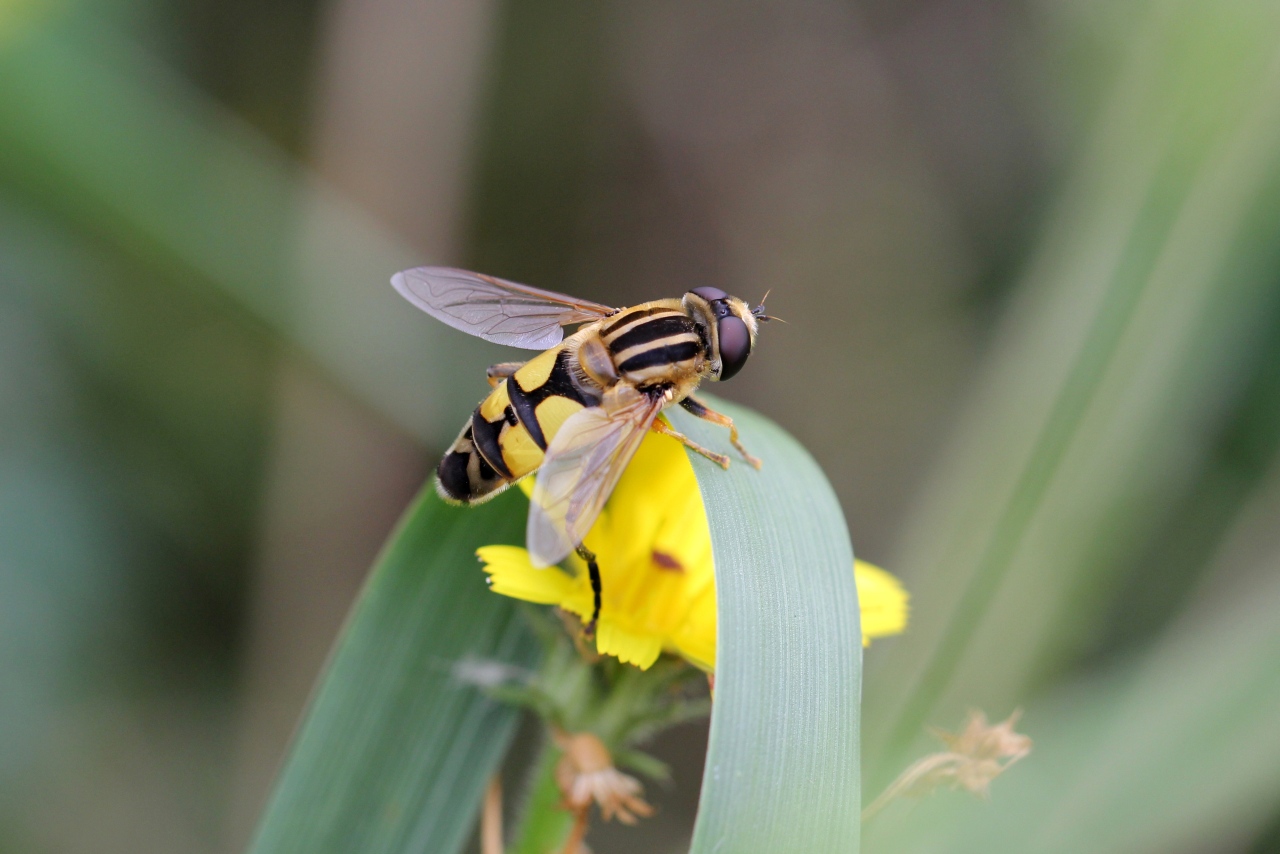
[{"x": 667, "y": 562}]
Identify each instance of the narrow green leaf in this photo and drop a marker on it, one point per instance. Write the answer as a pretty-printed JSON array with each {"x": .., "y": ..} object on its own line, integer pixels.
[
  {"x": 1176, "y": 749},
  {"x": 394, "y": 752},
  {"x": 782, "y": 762},
  {"x": 544, "y": 824}
]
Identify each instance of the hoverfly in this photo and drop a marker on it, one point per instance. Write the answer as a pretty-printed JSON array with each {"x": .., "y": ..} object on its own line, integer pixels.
[{"x": 577, "y": 412}]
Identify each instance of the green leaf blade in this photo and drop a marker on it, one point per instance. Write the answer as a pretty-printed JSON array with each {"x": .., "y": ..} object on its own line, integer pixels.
[
  {"x": 782, "y": 770},
  {"x": 394, "y": 752}
]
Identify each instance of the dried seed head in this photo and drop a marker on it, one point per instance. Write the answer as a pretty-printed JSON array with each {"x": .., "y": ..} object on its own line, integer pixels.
[
  {"x": 586, "y": 773},
  {"x": 974, "y": 757},
  {"x": 984, "y": 744}
]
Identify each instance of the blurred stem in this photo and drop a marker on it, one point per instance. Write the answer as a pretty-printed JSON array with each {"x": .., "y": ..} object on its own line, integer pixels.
[
  {"x": 545, "y": 824},
  {"x": 573, "y": 845},
  {"x": 491, "y": 818}
]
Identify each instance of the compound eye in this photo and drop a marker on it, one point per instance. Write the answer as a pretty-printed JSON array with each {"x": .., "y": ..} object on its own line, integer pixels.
[
  {"x": 709, "y": 293},
  {"x": 735, "y": 345}
]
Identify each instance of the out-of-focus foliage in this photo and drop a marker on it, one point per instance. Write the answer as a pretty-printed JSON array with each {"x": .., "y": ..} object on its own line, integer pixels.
[
  {"x": 1126, "y": 357},
  {"x": 396, "y": 749}
]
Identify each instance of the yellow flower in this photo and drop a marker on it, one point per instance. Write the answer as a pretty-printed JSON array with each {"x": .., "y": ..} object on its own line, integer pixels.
[{"x": 653, "y": 546}]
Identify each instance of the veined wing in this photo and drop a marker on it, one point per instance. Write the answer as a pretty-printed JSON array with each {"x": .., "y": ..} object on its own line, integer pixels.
[
  {"x": 582, "y": 466},
  {"x": 495, "y": 309}
]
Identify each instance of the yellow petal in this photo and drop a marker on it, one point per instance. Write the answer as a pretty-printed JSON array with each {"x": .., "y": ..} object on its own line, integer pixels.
[
  {"x": 695, "y": 639},
  {"x": 640, "y": 650},
  {"x": 512, "y": 573},
  {"x": 882, "y": 602},
  {"x": 699, "y": 649}
]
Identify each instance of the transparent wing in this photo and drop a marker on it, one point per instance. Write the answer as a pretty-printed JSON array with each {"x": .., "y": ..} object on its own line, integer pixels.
[
  {"x": 495, "y": 309},
  {"x": 582, "y": 466}
]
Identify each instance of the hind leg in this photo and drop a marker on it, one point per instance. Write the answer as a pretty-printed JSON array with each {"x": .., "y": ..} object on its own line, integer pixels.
[
  {"x": 696, "y": 407},
  {"x": 589, "y": 631},
  {"x": 719, "y": 459},
  {"x": 499, "y": 372}
]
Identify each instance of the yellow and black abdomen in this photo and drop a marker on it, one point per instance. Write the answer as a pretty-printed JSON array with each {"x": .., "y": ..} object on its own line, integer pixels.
[{"x": 506, "y": 436}]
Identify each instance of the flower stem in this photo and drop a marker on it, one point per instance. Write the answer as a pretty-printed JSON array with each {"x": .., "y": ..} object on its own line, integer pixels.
[
  {"x": 491, "y": 818},
  {"x": 573, "y": 845},
  {"x": 545, "y": 824}
]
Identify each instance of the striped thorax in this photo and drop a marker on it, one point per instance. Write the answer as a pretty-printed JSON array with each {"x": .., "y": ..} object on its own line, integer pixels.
[{"x": 654, "y": 343}]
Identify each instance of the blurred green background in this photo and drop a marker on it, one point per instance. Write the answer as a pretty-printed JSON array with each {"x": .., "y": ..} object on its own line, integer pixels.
[{"x": 1029, "y": 259}]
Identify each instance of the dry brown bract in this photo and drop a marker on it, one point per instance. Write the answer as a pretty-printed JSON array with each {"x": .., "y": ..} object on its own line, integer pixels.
[
  {"x": 586, "y": 773},
  {"x": 974, "y": 757}
]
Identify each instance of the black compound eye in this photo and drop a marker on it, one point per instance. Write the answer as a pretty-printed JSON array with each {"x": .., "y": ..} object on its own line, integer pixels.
[
  {"x": 709, "y": 293},
  {"x": 735, "y": 345}
]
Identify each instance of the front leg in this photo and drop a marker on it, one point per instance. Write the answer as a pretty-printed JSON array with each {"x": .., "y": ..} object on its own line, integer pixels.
[
  {"x": 499, "y": 372},
  {"x": 719, "y": 459},
  {"x": 696, "y": 407}
]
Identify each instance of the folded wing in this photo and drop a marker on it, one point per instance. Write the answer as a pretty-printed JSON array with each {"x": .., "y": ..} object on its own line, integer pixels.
[{"x": 581, "y": 468}]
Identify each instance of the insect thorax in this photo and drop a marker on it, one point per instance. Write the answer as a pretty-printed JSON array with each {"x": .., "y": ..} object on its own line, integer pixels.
[{"x": 654, "y": 343}]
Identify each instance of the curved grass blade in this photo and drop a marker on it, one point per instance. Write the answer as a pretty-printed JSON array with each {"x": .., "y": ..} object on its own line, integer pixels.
[
  {"x": 782, "y": 762},
  {"x": 394, "y": 752}
]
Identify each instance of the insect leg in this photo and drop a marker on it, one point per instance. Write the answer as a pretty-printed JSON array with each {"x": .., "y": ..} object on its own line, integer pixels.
[
  {"x": 594, "y": 570},
  {"x": 502, "y": 370},
  {"x": 700, "y": 409},
  {"x": 719, "y": 459}
]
